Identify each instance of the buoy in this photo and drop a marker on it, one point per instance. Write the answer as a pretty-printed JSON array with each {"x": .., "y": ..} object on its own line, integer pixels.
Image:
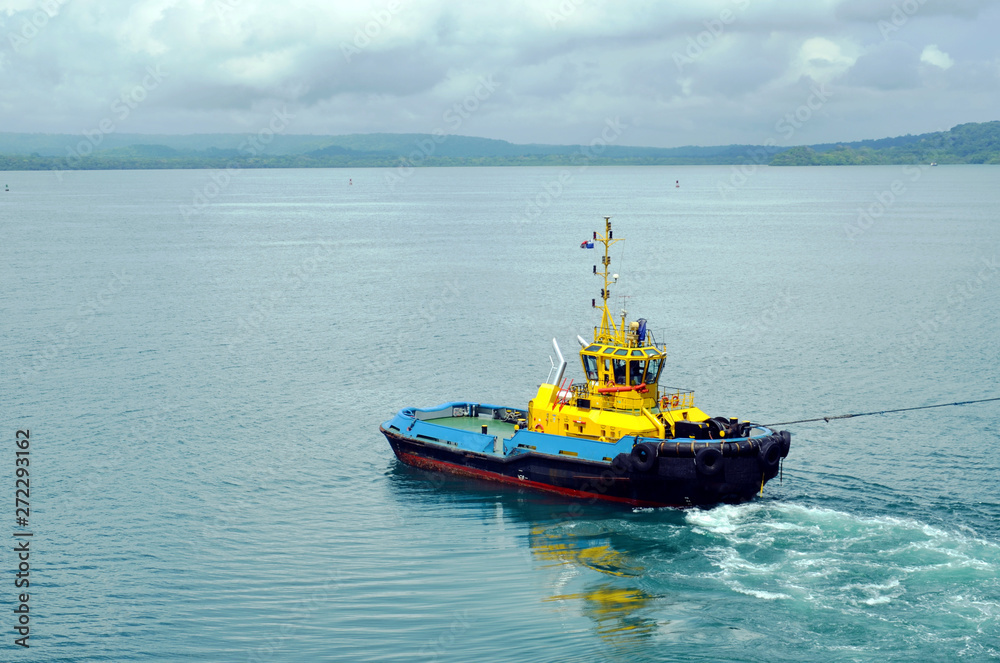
[
  {"x": 677, "y": 184},
  {"x": 350, "y": 181}
]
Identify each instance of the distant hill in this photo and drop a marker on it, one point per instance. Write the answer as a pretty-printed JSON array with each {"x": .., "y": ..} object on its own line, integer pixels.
[
  {"x": 965, "y": 143},
  {"x": 378, "y": 145}
]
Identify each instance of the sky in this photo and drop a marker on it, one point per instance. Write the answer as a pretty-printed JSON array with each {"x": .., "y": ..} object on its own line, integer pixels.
[{"x": 662, "y": 74}]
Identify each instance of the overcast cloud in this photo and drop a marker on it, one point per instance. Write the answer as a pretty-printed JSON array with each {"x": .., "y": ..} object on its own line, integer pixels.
[{"x": 705, "y": 72}]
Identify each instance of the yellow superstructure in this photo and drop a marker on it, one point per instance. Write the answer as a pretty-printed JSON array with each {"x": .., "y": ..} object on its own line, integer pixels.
[{"x": 622, "y": 367}]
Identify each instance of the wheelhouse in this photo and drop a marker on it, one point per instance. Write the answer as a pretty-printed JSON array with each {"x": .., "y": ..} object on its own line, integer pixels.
[{"x": 624, "y": 366}]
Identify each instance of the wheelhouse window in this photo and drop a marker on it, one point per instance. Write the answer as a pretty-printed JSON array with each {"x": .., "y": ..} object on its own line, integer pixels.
[
  {"x": 653, "y": 372},
  {"x": 620, "y": 367},
  {"x": 590, "y": 366},
  {"x": 636, "y": 372}
]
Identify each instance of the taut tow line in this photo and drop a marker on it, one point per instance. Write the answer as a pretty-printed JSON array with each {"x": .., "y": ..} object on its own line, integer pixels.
[{"x": 866, "y": 414}]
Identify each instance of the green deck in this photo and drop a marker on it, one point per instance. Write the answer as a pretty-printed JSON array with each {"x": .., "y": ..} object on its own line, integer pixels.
[{"x": 475, "y": 424}]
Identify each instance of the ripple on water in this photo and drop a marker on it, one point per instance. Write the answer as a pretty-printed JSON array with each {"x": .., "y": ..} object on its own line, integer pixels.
[{"x": 872, "y": 573}]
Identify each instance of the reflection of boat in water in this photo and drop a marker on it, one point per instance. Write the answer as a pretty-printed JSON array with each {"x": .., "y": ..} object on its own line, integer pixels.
[
  {"x": 616, "y": 436},
  {"x": 617, "y": 606},
  {"x": 566, "y": 543},
  {"x": 616, "y": 611},
  {"x": 586, "y": 563}
]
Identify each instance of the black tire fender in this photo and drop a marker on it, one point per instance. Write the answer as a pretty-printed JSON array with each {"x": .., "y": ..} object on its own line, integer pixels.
[
  {"x": 786, "y": 442},
  {"x": 644, "y": 457},
  {"x": 770, "y": 454},
  {"x": 708, "y": 461}
]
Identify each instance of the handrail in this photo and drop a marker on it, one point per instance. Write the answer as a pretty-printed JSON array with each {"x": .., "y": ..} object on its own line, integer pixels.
[{"x": 675, "y": 398}]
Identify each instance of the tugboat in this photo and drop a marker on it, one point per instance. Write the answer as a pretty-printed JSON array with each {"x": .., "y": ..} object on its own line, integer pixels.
[{"x": 617, "y": 436}]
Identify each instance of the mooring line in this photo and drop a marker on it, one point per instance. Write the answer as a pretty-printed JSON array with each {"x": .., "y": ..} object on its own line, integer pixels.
[{"x": 865, "y": 414}]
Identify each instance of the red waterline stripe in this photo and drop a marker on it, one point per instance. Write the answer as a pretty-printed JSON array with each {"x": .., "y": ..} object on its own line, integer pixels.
[{"x": 427, "y": 463}]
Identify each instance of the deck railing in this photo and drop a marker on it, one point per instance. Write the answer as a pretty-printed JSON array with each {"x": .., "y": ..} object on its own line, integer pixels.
[
  {"x": 667, "y": 398},
  {"x": 675, "y": 398}
]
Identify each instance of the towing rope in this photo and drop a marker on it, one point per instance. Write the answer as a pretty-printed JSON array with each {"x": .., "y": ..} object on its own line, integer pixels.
[{"x": 865, "y": 414}]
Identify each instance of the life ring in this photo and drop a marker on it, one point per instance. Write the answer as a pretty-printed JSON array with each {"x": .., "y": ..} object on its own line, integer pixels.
[
  {"x": 708, "y": 461},
  {"x": 644, "y": 457},
  {"x": 664, "y": 402},
  {"x": 676, "y": 400},
  {"x": 539, "y": 428},
  {"x": 769, "y": 454}
]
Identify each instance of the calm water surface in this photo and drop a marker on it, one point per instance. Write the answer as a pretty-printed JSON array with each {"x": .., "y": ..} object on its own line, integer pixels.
[{"x": 203, "y": 366}]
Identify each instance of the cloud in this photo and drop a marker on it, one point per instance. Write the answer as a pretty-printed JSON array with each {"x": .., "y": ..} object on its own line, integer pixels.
[
  {"x": 879, "y": 10},
  {"x": 564, "y": 66},
  {"x": 933, "y": 55},
  {"x": 892, "y": 65}
]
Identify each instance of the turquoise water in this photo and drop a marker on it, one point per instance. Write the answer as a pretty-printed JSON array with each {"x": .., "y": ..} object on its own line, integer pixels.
[{"x": 203, "y": 379}]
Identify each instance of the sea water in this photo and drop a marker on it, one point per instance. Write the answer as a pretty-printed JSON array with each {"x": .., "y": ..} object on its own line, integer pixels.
[{"x": 203, "y": 359}]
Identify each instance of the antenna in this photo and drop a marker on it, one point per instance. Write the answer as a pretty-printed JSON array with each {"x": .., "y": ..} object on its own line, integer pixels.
[{"x": 608, "y": 331}]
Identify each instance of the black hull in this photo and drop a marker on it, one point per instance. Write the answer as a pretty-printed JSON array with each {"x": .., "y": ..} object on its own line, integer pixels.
[{"x": 678, "y": 474}]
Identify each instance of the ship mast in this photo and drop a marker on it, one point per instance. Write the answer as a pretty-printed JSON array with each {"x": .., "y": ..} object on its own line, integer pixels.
[{"x": 608, "y": 332}]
